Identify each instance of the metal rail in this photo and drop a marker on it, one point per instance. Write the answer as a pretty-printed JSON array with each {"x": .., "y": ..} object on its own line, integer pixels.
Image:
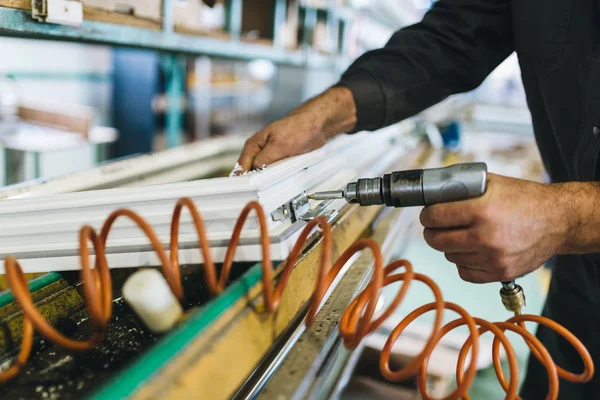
[{"x": 18, "y": 23}]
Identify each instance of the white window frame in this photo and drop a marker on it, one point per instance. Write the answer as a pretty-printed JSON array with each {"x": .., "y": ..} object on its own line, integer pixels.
[{"x": 43, "y": 231}]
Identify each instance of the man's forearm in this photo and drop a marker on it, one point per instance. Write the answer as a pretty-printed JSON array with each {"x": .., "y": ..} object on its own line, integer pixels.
[
  {"x": 580, "y": 201},
  {"x": 334, "y": 111}
]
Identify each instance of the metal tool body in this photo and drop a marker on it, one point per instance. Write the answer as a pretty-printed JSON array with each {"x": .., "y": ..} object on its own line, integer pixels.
[{"x": 415, "y": 187}]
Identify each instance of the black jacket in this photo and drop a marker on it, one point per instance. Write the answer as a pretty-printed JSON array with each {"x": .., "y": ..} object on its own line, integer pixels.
[{"x": 458, "y": 43}]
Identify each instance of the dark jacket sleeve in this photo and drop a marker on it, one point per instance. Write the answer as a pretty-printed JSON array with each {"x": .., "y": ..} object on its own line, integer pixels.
[{"x": 456, "y": 45}]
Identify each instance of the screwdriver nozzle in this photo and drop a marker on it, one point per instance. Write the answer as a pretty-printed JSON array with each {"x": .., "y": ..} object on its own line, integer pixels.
[
  {"x": 328, "y": 195},
  {"x": 513, "y": 297}
]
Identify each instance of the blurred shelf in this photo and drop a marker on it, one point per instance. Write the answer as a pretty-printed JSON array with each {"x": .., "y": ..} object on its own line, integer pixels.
[
  {"x": 18, "y": 23},
  {"x": 341, "y": 12},
  {"x": 115, "y": 29},
  {"x": 514, "y": 119}
]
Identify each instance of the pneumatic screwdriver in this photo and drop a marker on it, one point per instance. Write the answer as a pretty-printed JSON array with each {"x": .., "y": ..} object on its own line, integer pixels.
[
  {"x": 425, "y": 187},
  {"x": 421, "y": 187}
]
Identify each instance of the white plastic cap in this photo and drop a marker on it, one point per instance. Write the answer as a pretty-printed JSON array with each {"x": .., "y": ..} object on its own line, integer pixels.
[{"x": 148, "y": 293}]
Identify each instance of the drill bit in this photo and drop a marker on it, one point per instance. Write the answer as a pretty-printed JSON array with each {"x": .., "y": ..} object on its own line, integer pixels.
[{"x": 328, "y": 195}]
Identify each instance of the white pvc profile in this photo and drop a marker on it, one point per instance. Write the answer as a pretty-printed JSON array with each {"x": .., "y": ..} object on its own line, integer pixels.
[
  {"x": 177, "y": 164},
  {"x": 43, "y": 232}
]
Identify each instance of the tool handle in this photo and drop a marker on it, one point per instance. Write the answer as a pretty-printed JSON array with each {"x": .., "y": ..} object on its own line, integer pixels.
[{"x": 454, "y": 183}]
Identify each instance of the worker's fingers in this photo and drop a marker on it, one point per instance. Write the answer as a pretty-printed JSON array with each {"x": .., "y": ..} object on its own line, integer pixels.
[
  {"x": 452, "y": 240},
  {"x": 449, "y": 215},
  {"x": 252, "y": 148},
  {"x": 270, "y": 154},
  {"x": 471, "y": 260},
  {"x": 474, "y": 276}
]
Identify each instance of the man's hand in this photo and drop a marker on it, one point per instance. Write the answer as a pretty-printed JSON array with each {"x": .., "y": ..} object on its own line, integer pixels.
[
  {"x": 290, "y": 136},
  {"x": 512, "y": 229},
  {"x": 305, "y": 129}
]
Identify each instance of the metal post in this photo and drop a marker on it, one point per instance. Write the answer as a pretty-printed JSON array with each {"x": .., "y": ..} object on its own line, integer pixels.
[
  {"x": 233, "y": 12},
  {"x": 278, "y": 24},
  {"x": 174, "y": 71},
  {"x": 310, "y": 20},
  {"x": 333, "y": 28},
  {"x": 4, "y": 161},
  {"x": 167, "y": 15},
  {"x": 343, "y": 43},
  {"x": 202, "y": 97},
  {"x": 37, "y": 167},
  {"x": 15, "y": 166}
]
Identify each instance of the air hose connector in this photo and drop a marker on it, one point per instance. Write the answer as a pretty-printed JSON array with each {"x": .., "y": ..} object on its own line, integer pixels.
[{"x": 513, "y": 297}]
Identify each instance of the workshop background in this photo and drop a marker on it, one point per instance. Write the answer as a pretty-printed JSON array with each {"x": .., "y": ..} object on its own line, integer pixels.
[{"x": 144, "y": 78}]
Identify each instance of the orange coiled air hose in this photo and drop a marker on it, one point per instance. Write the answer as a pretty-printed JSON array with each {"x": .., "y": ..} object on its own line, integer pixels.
[{"x": 356, "y": 322}]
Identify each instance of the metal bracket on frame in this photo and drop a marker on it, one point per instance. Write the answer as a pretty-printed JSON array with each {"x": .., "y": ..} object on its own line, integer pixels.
[
  {"x": 299, "y": 209},
  {"x": 62, "y": 12}
]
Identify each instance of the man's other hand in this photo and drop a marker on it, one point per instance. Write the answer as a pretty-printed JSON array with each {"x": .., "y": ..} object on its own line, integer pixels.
[
  {"x": 305, "y": 129},
  {"x": 290, "y": 136},
  {"x": 512, "y": 229}
]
